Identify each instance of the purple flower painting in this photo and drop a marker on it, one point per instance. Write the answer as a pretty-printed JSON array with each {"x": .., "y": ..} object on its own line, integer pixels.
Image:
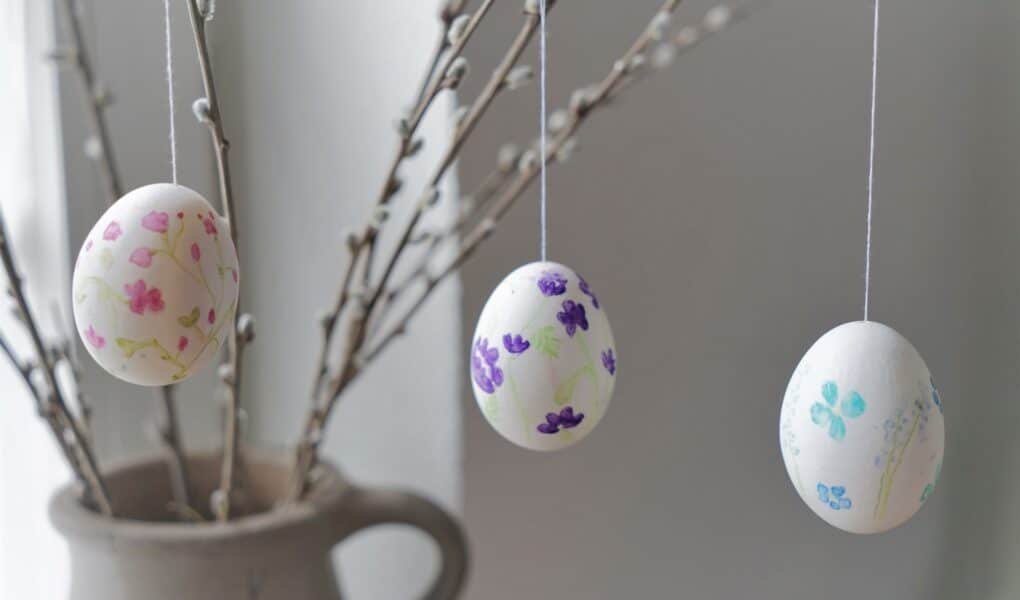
[
  {"x": 566, "y": 419},
  {"x": 552, "y": 283},
  {"x": 572, "y": 316},
  {"x": 586, "y": 290},
  {"x": 515, "y": 344},
  {"x": 609, "y": 361},
  {"x": 486, "y": 374}
]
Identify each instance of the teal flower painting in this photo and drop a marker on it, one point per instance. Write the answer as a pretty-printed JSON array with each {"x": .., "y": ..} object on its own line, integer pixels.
[
  {"x": 834, "y": 496},
  {"x": 834, "y": 412}
]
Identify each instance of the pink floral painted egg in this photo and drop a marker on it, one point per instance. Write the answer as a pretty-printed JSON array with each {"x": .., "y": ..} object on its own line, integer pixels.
[
  {"x": 543, "y": 359},
  {"x": 155, "y": 286}
]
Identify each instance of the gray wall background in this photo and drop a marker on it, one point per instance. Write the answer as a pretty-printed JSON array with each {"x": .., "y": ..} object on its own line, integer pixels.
[
  {"x": 309, "y": 91},
  {"x": 719, "y": 212}
]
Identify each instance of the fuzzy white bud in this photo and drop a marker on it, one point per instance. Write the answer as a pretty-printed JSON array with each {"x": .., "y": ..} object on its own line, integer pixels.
[
  {"x": 429, "y": 197},
  {"x": 566, "y": 150},
  {"x": 93, "y": 148},
  {"x": 688, "y": 36},
  {"x": 558, "y": 120},
  {"x": 458, "y": 70},
  {"x": 506, "y": 158},
  {"x": 458, "y": 28},
  {"x": 663, "y": 56},
  {"x": 659, "y": 25},
  {"x": 718, "y": 17},
  {"x": 528, "y": 161},
  {"x": 201, "y": 109},
  {"x": 519, "y": 77},
  {"x": 246, "y": 328}
]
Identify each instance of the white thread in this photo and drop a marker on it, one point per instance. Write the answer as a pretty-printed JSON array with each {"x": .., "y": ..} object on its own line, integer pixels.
[
  {"x": 543, "y": 206},
  {"x": 170, "y": 90},
  {"x": 871, "y": 162}
]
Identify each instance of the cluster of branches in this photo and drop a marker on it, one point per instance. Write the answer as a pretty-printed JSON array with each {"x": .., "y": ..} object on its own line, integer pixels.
[{"x": 373, "y": 307}]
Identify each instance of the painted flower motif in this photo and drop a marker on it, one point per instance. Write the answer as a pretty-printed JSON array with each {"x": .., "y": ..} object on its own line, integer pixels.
[
  {"x": 157, "y": 222},
  {"x": 210, "y": 224},
  {"x": 196, "y": 252},
  {"x": 566, "y": 419},
  {"x": 233, "y": 273},
  {"x": 211, "y": 317},
  {"x": 552, "y": 283},
  {"x": 586, "y": 290},
  {"x": 486, "y": 374},
  {"x": 88, "y": 245},
  {"x": 515, "y": 344},
  {"x": 98, "y": 342},
  {"x": 182, "y": 343},
  {"x": 140, "y": 298},
  {"x": 832, "y": 415},
  {"x": 935, "y": 397},
  {"x": 609, "y": 361},
  {"x": 834, "y": 496},
  {"x": 180, "y": 215},
  {"x": 112, "y": 231},
  {"x": 142, "y": 257},
  {"x": 930, "y": 488},
  {"x": 572, "y": 316}
]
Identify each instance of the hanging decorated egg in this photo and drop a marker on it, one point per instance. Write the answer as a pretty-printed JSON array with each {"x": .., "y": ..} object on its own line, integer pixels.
[
  {"x": 861, "y": 428},
  {"x": 543, "y": 360},
  {"x": 155, "y": 286}
]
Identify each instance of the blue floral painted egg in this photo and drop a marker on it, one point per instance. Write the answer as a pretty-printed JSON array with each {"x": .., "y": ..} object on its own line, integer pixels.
[
  {"x": 861, "y": 428},
  {"x": 543, "y": 359}
]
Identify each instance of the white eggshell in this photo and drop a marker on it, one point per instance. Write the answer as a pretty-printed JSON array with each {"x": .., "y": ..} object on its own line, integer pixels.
[
  {"x": 861, "y": 428},
  {"x": 543, "y": 359},
  {"x": 155, "y": 285}
]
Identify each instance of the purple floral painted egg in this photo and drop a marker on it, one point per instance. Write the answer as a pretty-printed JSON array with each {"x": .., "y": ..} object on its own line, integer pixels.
[
  {"x": 155, "y": 286},
  {"x": 543, "y": 359}
]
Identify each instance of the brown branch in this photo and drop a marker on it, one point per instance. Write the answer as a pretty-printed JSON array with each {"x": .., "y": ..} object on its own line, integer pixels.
[
  {"x": 350, "y": 364},
  {"x": 97, "y": 100},
  {"x": 63, "y": 425},
  {"x": 582, "y": 105},
  {"x": 169, "y": 434},
  {"x": 209, "y": 113}
]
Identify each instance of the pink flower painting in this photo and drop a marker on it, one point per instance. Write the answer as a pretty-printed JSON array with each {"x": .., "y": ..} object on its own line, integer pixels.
[
  {"x": 142, "y": 257},
  {"x": 212, "y": 316},
  {"x": 210, "y": 225},
  {"x": 196, "y": 252},
  {"x": 94, "y": 339},
  {"x": 155, "y": 221},
  {"x": 182, "y": 343},
  {"x": 112, "y": 231},
  {"x": 140, "y": 298}
]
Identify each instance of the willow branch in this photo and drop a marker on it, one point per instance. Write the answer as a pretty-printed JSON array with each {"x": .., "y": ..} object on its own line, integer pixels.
[
  {"x": 62, "y": 423},
  {"x": 433, "y": 85},
  {"x": 97, "y": 99},
  {"x": 170, "y": 437},
  {"x": 350, "y": 364},
  {"x": 209, "y": 113},
  {"x": 584, "y": 103}
]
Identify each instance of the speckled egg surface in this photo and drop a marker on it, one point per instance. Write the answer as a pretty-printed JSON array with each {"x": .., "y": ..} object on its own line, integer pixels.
[
  {"x": 543, "y": 359},
  {"x": 861, "y": 428},
  {"x": 155, "y": 285}
]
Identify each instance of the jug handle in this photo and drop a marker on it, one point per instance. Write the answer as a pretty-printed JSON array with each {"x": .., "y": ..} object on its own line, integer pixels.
[{"x": 364, "y": 508}]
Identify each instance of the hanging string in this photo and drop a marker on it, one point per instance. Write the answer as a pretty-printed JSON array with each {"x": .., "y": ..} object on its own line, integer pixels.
[
  {"x": 170, "y": 89},
  {"x": 543, "y": 185},
  {"x": 871, "y": 162}
]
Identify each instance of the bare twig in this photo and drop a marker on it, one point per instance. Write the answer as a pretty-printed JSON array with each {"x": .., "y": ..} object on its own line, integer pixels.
[
  {"x": 351, "y": 361},
  {"x": 583, "y": 104},
  {"x": 97, "y": 99},
  {"x": 51, "y": 401},
  {"x": 209, "y": 113},
  {"x": 169, "y": 434}
]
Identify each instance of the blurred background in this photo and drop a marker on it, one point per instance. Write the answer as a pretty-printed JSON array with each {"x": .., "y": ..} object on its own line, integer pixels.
[{"x": 718, "y": 208}]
